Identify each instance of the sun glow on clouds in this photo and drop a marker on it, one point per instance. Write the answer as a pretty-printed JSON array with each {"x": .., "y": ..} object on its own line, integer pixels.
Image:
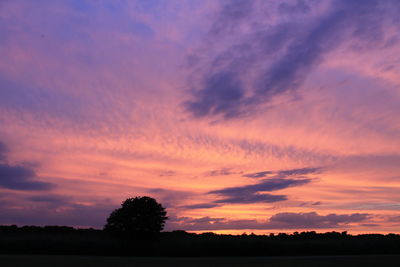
[{"x": 235, "y": 118}]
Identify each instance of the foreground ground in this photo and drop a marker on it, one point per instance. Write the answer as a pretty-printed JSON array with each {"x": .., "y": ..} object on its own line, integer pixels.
[{"x": 96, "y": 261}]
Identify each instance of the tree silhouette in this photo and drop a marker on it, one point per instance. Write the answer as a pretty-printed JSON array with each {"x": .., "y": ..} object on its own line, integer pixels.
[{"x": 139, "y": 217}]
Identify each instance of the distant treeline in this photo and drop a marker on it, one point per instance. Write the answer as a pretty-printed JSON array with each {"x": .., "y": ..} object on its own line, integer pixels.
[
  {"x": 68, "y": 240},
  {"x": 51, "y": 229}
]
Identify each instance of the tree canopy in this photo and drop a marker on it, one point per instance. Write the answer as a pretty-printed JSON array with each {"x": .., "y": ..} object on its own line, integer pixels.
[{"x": 139, "y": 217}]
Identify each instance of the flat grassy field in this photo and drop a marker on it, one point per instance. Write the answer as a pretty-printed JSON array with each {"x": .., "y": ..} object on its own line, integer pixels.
[{"x": 96, "y": 261}]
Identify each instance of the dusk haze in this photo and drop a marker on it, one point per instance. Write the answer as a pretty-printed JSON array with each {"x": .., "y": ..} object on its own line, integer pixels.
[{"x": 237, "y": 116}]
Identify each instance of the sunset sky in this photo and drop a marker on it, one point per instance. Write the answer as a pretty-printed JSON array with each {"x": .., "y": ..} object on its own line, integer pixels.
[{"x": 238, "y": 116}]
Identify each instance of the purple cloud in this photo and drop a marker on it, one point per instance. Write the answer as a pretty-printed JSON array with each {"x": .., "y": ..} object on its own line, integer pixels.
[
  {"x": 54, "y": 200},
  {"x": 301, "y": 171},
  {"x": 222, "y": 93},
  {"x": 230, "y": 14},
  {"x": 221, "y": 172},
  {"x": 288, "y": 220},
  {"x": 300, "y": 6},
  {"x": 282, "y": 53},
  {"x": 258, "y": 174},
  {"x": 282, "y": 173},
  {"x": 200, "y": 206},
  {"x": 252, "y": 198},
  {"x": 254, "y": 193},
  {"x": 291, "y": 220},
  {"x": 73, "y": 215},
  {"x": 3, "y": 151},
  {"x": 266, "y": 185},
  {"x": 21, "y": 178}
]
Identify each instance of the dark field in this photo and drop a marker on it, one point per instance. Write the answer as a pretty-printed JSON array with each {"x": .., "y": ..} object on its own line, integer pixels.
[{"x": 78, "y": 261}]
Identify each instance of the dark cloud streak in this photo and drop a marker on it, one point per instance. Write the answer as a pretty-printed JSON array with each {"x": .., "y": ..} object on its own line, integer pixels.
[
  {"x": 302, "y": 171},
  {"x": 3, "y": 151},
  {"x": 287, "y": 220},
  {"x": 222, "y": 93},
  {"x": 258, "y": 174},
  {"x": 20, "y": 178},
  {"x": 290, "y": 220},
  {"x": 200, "y": 206},
  {"x": 282, "y": 173},
  {"x": 300, "y": 7},
  {"x": 55, "y": 200},
  {"x": 266, "y": 185},
  {"x": 282, "y": 54},
  {"x": 221, "y": 172},
  {"x": 252, "y": 193},
  {"x": 252, "y": 198},
  {"x": 255, "y": 193},
  {"x": 231, "y": 13},
  {"x": 74, "y": 215}
]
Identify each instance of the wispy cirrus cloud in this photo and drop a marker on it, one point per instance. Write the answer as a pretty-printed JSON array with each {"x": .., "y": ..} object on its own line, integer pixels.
[
  {"x": 40, "y": 101},
  {"x": 222, "y": 172},
  {"x": 169, "y": 197}
]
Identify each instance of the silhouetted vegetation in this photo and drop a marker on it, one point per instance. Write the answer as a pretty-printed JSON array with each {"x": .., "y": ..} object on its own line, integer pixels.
[
  {"x": 67, "y": 240},
  {"x": 135, "y": 230},
  {"x": 139, "y": 218}
]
